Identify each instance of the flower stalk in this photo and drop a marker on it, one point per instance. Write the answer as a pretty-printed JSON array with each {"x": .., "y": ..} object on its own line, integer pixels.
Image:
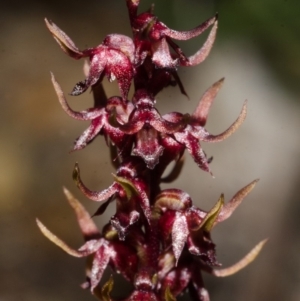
[{"x": 158, "y": 240}]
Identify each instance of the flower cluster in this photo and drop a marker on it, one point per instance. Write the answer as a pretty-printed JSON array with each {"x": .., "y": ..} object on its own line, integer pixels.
[{"x": 157, "y": 239}]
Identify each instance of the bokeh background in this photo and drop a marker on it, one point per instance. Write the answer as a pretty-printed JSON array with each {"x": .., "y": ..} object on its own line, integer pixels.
[{"x": 258, "y": 52}]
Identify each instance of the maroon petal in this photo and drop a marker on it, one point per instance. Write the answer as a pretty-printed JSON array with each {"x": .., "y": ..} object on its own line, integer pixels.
[
  {"x": 128, "y": 267},
  {"x": 144, "y": 200},
  {"x": 134, "y": 125},
  {"x": 89, "y": 134},
  {"x": 83, "y": 115},
  {"x": 98, "y": 63},
  {"x": 121, "y": 108},
  {"x": 195, "y": 216},
  {"x": 217, "y": 138},
  {"x": 66, "y": 44},
  {"x": 86, "y": 223},
  {"x": 194, "y": 148},
  {"x": 122, "y": 43},
  {"x": 179, "y": 234},
  {"x": 165, "y": 223},
  {"x": 93, "y": 195},
  {"x": 174, "y": 117},
  {"x": 161, "y": 55},
  {"x": 160, "y": 29},
  {"x": 148, "y": 147},
  {"x": 166, "y": 127},
  {"x": 200, "y": 114},
  {"x": 202, "y": 53},
  {"x": 88, "y": 248},
  {"x": 120, "y": 68},
  {"x": 245, "y": 261},
  {"x": 100, "y": 262},
  {"x": 237, "y": 199}
]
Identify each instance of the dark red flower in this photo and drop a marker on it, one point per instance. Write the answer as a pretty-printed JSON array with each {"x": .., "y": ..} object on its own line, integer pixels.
[
  {"x": 105, "y": 251},
  {"x": 194, "y": 131},
  {"x": 159, "y": 36},
  {"x": 130, "y": 190},
  {"x": 113, "y": 58},
  {"x": 147, "y": 125},
  {"x": 100, "y": 120},
  {"x": 157, "y": 239}
]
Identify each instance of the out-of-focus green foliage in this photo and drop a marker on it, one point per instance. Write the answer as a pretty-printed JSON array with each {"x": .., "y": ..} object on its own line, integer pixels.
[{"x": 272, "y": 26}]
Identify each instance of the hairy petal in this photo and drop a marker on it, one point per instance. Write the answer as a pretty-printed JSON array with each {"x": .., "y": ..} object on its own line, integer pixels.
[
  {"x": 136, "y": 188},
  {"x": 148, "y": 147},
  {"x": 144, "y": 200},
  {"x": 202, "y": 53},
  {"x": 86, "y": 223},
  {"x": 100, "y": 262},
  {"x": 119, "y": 67},
  {"x": 83, "y": 115},
  {"x": 179, "y": 234},
  {"x": 133, "y": 126},
  {"x": 186, "y": 35},
  {"x": 230, "y": 130},
  {"x": 230, "y": 207},
  {"x": 121, "y": 42},
  {"x": 194, "y": 148},
  {"x": 66, "y": 44},
  {"x": 161, "y": 55},
  {"x": 88, "y": 248},
  {"x": 164, "y": 126},
  {"x": 93, "y": 195},
  {"x": 200, "y": 114},
  {"x": 97, "y": 65},
  {"x": 89, "y": 134},
  {"x": 242, "y": 263}
]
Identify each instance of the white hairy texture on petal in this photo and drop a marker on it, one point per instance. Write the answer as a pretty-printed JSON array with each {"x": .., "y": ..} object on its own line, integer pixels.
[
  {"x": 100, "y": 263},
  {"x": 179, "y": 234}
]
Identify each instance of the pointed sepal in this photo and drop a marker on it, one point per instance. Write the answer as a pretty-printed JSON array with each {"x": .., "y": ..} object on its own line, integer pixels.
[
  {"x": 63, "y": 40},
  {"x": 242, "y": 263},
  {"x": 88, "y": 248}
]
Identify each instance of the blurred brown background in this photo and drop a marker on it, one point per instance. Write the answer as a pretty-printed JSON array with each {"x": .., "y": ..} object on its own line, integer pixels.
[{"x": 257, "y": 50}]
